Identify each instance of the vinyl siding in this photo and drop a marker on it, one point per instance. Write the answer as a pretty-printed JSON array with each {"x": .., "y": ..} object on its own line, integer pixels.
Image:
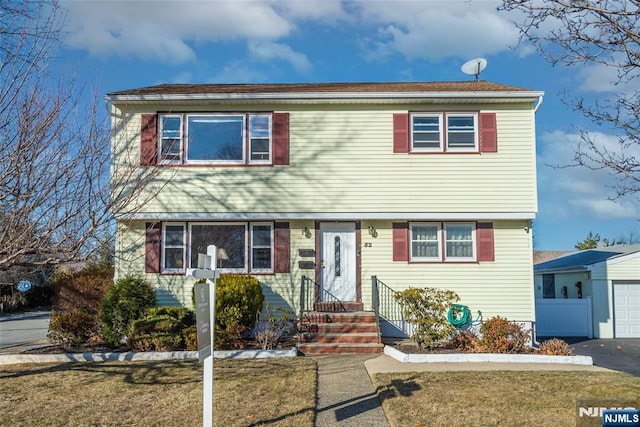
[
  {"x": 342, "y": 160},
  {"x": 503, "y": 287},
  {"x": 623, "y": 268}
]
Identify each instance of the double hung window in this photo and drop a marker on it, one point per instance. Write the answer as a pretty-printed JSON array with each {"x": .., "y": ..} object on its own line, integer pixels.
[
  {"x": 197, "y": 138},
  {"x": 442, "y": 241},
  {"x": 438, "y": 132}
]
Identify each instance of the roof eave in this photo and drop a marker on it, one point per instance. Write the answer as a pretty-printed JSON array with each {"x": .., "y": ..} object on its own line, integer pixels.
[
  {"x": 571, "y": 269},
  {"x": 513, "y": 96}
]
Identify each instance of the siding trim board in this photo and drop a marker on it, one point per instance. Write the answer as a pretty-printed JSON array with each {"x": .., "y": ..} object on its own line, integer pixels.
[{"x": 322, "y": 216}]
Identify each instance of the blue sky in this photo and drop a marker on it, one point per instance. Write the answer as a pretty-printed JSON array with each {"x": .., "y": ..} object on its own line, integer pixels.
[{"x": 117, "y": 45}]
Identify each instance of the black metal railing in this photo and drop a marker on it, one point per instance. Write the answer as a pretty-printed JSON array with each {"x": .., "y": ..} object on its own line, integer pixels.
[{"x": 385, "y": 305}]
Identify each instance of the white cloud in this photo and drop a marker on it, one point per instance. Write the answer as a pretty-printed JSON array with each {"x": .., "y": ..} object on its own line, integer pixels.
[
  {"x": 437, "y": 29},
  {"x": 162, "y": 30},
  {"x": 266, "y": 51},
  {"x": 167, "y": 30},
  {"x": 566, "y": 192},
  {"x": 600, "y": 78}
]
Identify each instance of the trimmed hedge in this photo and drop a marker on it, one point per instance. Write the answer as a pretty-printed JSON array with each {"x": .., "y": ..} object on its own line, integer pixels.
[
  {"x": 164, "y": 329},
  {"x": 127, "y": 300}
]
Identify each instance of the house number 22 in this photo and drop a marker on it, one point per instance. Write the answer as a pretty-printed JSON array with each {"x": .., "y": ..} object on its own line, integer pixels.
[{"x": 368, "y": 245}]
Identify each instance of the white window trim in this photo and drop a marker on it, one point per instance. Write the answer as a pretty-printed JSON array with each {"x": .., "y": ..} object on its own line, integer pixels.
[
  {"x": 270, "y": 159},
  {"x": 185, "y": 155},
  {"x": 272, "y": 247},
  {"x": 248, "y": 246},
  {"x": 475, "y": 132},
  {"x": 440, "y": 131},
  {"x": 439, "y": 242},
  {"x": 473, "y": 242},
  {"x": 184, "y": 140},
  {"x": 165, "y": 246},
  {"x": 160, "y": 159}
]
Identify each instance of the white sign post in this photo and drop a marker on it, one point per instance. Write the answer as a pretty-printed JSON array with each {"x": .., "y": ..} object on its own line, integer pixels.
[{"x": 206, "y": 325}]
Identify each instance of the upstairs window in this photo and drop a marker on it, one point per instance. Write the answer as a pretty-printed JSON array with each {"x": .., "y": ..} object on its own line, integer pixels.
[
  {"x": 215, "y": 138},
  {"x": 442, "y": 132}
]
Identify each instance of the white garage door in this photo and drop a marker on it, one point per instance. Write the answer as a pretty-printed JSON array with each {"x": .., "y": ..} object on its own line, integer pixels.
[{"x": 627, "y": 309}]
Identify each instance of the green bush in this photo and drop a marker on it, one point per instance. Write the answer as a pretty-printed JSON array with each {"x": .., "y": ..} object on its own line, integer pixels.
[
  {"x": 71, "y": 328},
  {"x": 162, "y": 329},
  {"x": 239, "y": 299},
  {"x": 426, "y": 309},
  {"x": 127, "y": 300}
]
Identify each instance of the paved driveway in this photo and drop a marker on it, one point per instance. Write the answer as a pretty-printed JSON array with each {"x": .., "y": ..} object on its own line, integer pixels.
[
  {"x": 621, "y": 354},
  {"x": 23, "y": 330}
]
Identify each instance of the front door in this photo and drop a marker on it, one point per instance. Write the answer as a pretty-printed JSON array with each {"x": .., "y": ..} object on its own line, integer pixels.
[{"x": 338, "y": 261}]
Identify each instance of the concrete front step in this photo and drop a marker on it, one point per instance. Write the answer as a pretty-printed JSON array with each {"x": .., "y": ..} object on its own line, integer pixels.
[{"x": 309, "y": 349}]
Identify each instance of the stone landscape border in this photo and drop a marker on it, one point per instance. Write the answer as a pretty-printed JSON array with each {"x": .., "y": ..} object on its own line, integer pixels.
[
  {"x": 9, "y": 359},
  {"x": 484, "y": 357}
]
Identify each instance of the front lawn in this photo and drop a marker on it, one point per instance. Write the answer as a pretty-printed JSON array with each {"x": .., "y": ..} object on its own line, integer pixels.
[
  {"x": 523, "y": 398},
  {"x": 275, "y": 392}
]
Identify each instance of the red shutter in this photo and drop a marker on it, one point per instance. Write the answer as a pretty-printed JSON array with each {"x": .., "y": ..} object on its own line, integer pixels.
[
  {"x": 400, "y": 241},
  {"x": 152, "y": 248},
  {"x": 282, "y": 239},
  {"x": 280, "y": 138},
  {"x": 149, "y": 140},
  {"x": 488, "y": 133},
  {"x": 484, "y": 237},
  {"x": 401, "y": 133}
]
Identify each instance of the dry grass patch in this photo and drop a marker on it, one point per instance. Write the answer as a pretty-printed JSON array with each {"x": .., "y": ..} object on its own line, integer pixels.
[
  {"x": 495, "y": 397},
  {"x": 246, "y": 393}
]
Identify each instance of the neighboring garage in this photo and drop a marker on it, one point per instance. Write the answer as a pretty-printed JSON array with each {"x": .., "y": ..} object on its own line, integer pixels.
[
  {"x": 609, "y": 278},
  {"x": 626, "y": 309}
]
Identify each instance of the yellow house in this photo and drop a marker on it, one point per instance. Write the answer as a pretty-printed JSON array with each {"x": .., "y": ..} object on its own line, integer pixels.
[{"x": 333, "y": 191}]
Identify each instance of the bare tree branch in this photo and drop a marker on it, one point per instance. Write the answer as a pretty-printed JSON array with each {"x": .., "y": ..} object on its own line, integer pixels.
[
  {"x": 604, "y": 32},
  {"x": 56, "y": 196}
]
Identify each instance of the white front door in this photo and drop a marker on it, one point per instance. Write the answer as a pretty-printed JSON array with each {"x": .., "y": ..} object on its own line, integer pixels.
[{"x": 338, "y": 261}]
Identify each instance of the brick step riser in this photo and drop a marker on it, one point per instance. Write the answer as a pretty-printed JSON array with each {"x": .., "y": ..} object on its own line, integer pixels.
[
  {"x": 342, "y": 339},
  {"x": 335, "y": 328},
  {"x": 339, "y": 319}
]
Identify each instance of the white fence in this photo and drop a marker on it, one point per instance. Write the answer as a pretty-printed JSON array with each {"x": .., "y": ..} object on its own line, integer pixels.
[{"x": 564, "y": 318}]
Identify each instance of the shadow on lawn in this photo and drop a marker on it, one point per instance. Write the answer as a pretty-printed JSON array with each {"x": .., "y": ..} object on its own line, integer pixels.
[
  {"x": 161, "y": 372},
  {"x": 404, "y": 388}
]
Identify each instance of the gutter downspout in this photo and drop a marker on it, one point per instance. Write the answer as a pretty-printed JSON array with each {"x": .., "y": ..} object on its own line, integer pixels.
[{"x": 535, "y": 109}]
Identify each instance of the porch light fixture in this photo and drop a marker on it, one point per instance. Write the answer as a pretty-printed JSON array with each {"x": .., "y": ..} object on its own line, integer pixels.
[
  {"x": 372, "y": 231},
  {"x": 305, "y": 232}
]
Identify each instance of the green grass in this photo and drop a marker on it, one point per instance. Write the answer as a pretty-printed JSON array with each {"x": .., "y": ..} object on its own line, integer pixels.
[
  {"x": 509, "y": 398},
  {"x": 274, "y": 392}
]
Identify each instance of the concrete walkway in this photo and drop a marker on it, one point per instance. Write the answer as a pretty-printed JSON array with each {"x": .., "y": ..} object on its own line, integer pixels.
[{"x": 345, "y": 393}]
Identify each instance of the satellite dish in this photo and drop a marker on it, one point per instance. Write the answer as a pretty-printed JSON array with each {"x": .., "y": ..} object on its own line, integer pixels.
[{"x": 474, "y": 67}]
